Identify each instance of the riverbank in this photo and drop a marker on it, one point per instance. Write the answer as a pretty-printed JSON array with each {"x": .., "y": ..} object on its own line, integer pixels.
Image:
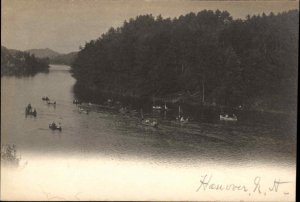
[
  {"x": 180, "y": 98},
  {"x": 208, "y": 112}
]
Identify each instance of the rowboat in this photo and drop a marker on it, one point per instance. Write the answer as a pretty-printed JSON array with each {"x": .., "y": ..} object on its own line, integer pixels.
[
  {"x": 53, "y": 126},
  {"x": 148, "y": 122}
]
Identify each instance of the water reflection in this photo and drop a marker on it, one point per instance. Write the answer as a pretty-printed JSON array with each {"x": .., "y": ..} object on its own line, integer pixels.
[
  {"x": 105, "y": 154},
  {"x": 103, "y": 130}
]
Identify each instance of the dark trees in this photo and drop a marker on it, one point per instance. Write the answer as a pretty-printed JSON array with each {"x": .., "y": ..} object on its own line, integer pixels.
[{"x": 249, "y": 62}]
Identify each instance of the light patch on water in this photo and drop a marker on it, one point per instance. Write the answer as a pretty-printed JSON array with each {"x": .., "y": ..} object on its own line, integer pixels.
[{"x": 100, "y": 178}]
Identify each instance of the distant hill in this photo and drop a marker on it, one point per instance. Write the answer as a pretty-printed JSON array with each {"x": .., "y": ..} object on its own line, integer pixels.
[
  {"x": 20, "y": 63},
  {"x": 66, "y": 59},
  {"x": 43, "y": 53},
  {"x": 11, "y": 51}
]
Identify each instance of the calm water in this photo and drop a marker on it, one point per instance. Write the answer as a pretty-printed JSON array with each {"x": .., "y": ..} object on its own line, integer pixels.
[
  {"x": 105, "y": 155},
  {"x": 108, "y": 133}
]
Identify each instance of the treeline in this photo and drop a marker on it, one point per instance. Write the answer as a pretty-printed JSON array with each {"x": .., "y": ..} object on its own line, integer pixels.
[
  {"x": 65, "y": 59},
  {"x": 20, "y": 63},
  {"x": 208, "y": 55}
]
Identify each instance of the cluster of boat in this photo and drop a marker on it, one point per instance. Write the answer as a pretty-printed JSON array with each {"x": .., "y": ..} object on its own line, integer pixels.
[
  {"x": 53, "y": 125},
  {"x": 116, "y": 105},
  {"x": 32, "y": 112},
  {"x": 152, "y": 122}
]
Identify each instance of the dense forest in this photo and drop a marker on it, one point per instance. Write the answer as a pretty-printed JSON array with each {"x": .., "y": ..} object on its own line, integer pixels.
[
  {"x": 20, "y": 63},
  {"x": 209, "y": 57}
]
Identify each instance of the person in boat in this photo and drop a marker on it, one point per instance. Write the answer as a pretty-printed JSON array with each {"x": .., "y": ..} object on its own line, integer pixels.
[
  {"x": 182, "y": 119},
  {"x": 29, "y": 107},
  {"x": 53, "y": 124},
  {"x": 165, "y": 107}
]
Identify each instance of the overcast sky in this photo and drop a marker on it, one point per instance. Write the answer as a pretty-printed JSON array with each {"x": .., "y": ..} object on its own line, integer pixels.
[{"x": 64, "y": 25}]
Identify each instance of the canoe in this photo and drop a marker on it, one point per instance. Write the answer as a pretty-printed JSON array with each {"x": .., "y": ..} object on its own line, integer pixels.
[
  {"x": 55, "y": 127},
  {"x": 45, "y": 98},
  {"x": 228, "y": 118},
  {"x": 51, "y": 103},
  {"x": 156, "y": 107},
  {"x": 182, "y": 120},
  {"x": 76, "y": 102},
  {"x": 81, "y": 110},
  {"x": 31, "y": 113},
  {"x": 151, "y": 123}
]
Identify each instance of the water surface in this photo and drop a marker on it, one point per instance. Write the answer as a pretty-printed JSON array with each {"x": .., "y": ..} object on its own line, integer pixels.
[{"x": 119, "y": 142}]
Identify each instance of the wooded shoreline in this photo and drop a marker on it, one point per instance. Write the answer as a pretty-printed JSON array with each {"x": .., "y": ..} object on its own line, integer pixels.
[
  {"x": 100, "y": 97},
  {"x": 203, "y": 59}
]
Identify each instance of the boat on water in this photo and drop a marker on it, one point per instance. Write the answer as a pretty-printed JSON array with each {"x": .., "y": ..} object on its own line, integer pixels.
[
  {"x": 30, "y": 111},
  {"x": 9, "y": 155},
  {"x": 123, "y": 110},
  {"x": 81, "y": 110},
  {"x": 54, "y": 126},
  {"x": 45, "y": 98},
  {"x": 77, "y": 102},
  {"x": 180, "y": 117},
  {"x": 157, "y": 107},
  {"x": 165, "y": 107},
  {"x": 226, "y": 117},
  {"x": 150, "y": 122},
  {"x": 51, "y": 103}
]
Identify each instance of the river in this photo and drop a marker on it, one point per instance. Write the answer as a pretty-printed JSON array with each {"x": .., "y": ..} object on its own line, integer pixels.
[{"x": 114, "y": 144}]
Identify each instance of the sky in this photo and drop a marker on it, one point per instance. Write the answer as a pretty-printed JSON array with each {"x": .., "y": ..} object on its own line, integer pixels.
[{"x": 64, "y": 25}]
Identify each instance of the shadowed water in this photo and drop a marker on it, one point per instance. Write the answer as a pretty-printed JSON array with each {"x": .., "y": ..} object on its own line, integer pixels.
[
  {"x": 106, "y": 132},
  {"x": 106, "y": 155}
]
